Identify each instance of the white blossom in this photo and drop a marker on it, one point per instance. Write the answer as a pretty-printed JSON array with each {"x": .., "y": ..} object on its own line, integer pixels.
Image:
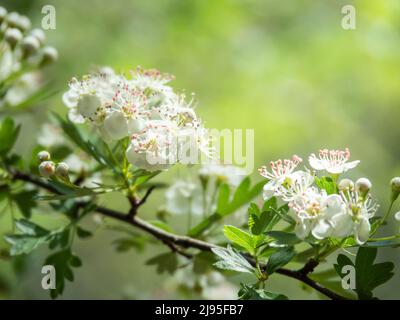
[
  {"x": 333, "y": 161},
  {"x": 281, "y": 173}
]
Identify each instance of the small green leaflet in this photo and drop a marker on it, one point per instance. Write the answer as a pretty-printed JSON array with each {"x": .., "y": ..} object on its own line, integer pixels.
[
  {"x": 248, "y": 292},
  {"x": 8, "y": 135},
  {"x": 31, "y": 237},
  {"x": 326, "y": 183},
  {"x": 232, "y": 260},
  {"x": 165, "y": 262},
  {"x": 63, "y": 261},
  {"x": 369, "y": 275},
  {"x": 279, "y": 258},
  {"x": 284, "y": 238},
  {"x": 240, "y": 237}
]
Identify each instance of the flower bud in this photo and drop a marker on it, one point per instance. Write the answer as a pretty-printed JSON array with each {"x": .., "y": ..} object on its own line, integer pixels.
[
  {"x": 12, "y": 19},
  {"x": 395, "y": 184},
  {"x": 43, "y": 156},
  {"x": 47, "y": 169},
  {"x": 363, "y": 185},
  {"x": 30, "y": 45},
  {"x": 397, "y": 216},
  {"x": 12, "y": 37},
  {"x": 23, "y": 23},
  {"x": 39, "y": 34},
  {"x": 50, "y": 55},
  {"x": 62, "y": 170},
  {"x": 346, "y": 184},
  {"x": 3, "y": 13}
]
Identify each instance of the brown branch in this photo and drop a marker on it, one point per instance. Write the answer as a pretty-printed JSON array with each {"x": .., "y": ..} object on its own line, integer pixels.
[{"x": 176, "y": 242}]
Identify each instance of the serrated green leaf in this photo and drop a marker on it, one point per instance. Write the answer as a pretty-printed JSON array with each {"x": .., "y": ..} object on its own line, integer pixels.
[
  {"x": 165, "y": 262},
  {"x": 239, "y": 237},
  {"x": 231, "y": 260},
  {"x": 279, "y": 258}
]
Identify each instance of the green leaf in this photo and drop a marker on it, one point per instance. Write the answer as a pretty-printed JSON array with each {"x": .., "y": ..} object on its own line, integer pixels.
[
  {"x": 369, "y": 275},
  {"x": 25, "y": 201},
  {"x": 165, "y": 262},
  {"x": 327, "y": 184},
  {"x": 284, "y": 238},
  {"x": 8, "y": 135},
  {"x": 32, "y": 236},
  {"x": 63, "y": 261},
  {"x": 23, "y": 244},
  {"x": 239, "y": 237},
  {"x": 82, "y": 233},
  {"x": 248, "y": 292},
  {"x": 70, "y": 191},
  {"x": 279, "y": 259},
  {"x": 223, "y": 198},
  {"x": 125, "y": 244},
  {"x": 161, "y": 225},
  {"x": 231, "y": 260},
  {"x": 204, "y": 225},
  {"x": 29, "y": 228},
  {"x": 259, "y": 221},
  {"x": 243, "y": 194},
  {"x": 74, "y": 134}
]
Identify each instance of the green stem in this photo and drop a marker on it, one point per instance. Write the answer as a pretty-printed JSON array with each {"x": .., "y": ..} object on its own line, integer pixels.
[{"x": 381, "y": 221}]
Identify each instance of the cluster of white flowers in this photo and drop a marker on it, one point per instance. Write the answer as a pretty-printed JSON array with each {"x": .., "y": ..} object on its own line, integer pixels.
[
  {"x": 163, "y": 128},
  {"x": 341, "y": 214}
]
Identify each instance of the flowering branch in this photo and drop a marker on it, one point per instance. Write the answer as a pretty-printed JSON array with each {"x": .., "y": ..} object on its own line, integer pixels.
[{"x": 175, "y": 242}]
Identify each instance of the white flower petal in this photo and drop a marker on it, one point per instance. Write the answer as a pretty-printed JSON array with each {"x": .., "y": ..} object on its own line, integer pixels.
[
  {"x": 362, "y": 231},
  {"x": 316, "y": 163},
  {"x": 115, "y": 125},
  {"x": 322, "y": 229},
  {"x": 342, "y": 224}
]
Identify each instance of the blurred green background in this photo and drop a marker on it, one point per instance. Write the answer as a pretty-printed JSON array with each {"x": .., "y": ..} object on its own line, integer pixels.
[{"x": 285, "y": 68}]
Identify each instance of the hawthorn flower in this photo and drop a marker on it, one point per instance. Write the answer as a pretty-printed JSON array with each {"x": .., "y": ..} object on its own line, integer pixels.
[
  {"x": 281, "y": 174},
  {"x": 355, "y": 218},
  {"x": 313, "y": 211},
  {"x": 333, "y": 161},
  {"x": 154, "y": 147},
  {"x": 87, "y": 98}
]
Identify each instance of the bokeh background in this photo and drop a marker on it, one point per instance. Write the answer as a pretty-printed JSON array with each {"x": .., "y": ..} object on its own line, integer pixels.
[{"x": 285, "y": 68}]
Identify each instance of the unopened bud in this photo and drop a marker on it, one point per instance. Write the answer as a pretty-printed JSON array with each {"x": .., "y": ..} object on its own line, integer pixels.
[
  {"x": 346, "y": 184},
  {"x": 395, "y": 184},
  {"x": 39, "y": 34},
  {"x": 47, "y": 169},
  {"x": 3, "y": 13},
  {"x": 30, "y": 45},
  {"x": 397, "y": 216},
  {"x": 50, "y": 55},
  {"x": 12, "y": 19},
  {"x": 43, "y": 156},
  {"x": 363, "y": 185},
  {"x": 62, "y": 170},
  {"x": 12, "y": 37},
  {"x": 24, "y": 23}
]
